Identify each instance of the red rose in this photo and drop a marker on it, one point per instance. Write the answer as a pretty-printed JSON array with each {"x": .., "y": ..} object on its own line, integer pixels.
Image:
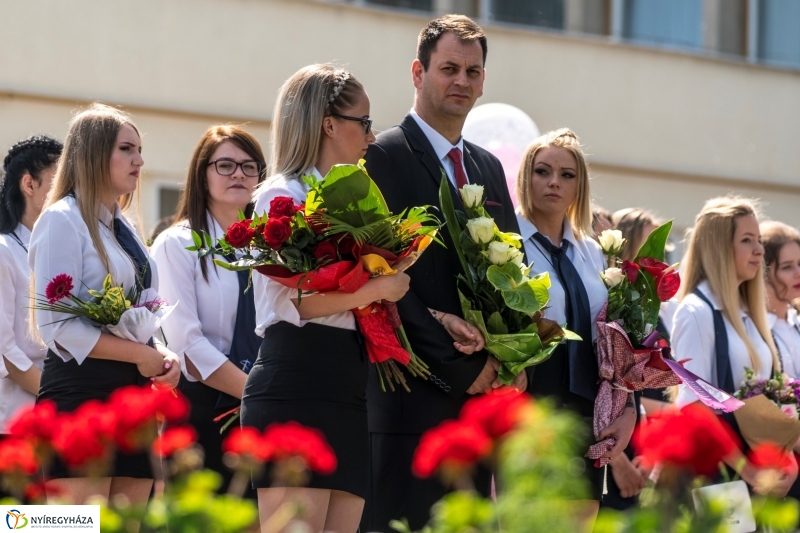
[
  {"x": 630, "y": 269},
  {"x": 34, "y": 423},
  {"x": 174, "y": 439},
  {"x": 59, "y": 288},
  {"x": 770, "y": 456},
  {"x": 346, "y": 246},
  {"x": 325, "y": 252},
  {"x": 496, "y": 412},
  {"x": 240, "y": 233},
  {"x": 452, "y": 445},
  {"x": 278, "y": 231},
  {"x": 284, "y": 441},
  {"x": 692, "y": 439},
  {"x": 245, "y": 441},
  {"x": 668, "y": 285},
  {"x": 282, "y": 206},
  {"x": 17, "y": 456},
  {"x": 652, "y": 266}
]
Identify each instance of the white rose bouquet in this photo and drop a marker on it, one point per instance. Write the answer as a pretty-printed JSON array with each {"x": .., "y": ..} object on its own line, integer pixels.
[{"x": 498, "y": 296}]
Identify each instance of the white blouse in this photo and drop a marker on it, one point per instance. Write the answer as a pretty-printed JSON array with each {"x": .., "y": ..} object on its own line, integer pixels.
[
  {"x": 693, "y": 338},
  {"x": 586, "y": 257},
  {"x": 61, "y": 244},
  {"x": 273, "y": 300},
  {"x": 787, "y": 337},
  {"x": 201, "y": 326},
  {"x": 16, "y": 343}
]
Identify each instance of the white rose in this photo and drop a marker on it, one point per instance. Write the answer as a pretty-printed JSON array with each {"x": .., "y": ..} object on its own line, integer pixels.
[
  {"x": 613, "y": 276},
  {"x": 611, "y": 241},
  {"x": 516, "y": 257},
  {"x": 472, "y": 195},
  {"x": 481, "y": 229},
  {"x": 500, "y": 253}
]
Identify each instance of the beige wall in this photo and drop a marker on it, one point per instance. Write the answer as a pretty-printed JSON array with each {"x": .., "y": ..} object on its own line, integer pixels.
[{"x": 665, "y": 130}]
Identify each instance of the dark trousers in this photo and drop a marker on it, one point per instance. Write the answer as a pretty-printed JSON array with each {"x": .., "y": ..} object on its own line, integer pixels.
[{"x": 395, "y": 493}]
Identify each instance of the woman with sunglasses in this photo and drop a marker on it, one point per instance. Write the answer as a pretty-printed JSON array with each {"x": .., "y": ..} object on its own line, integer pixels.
[{"x": 213, "y": 326}]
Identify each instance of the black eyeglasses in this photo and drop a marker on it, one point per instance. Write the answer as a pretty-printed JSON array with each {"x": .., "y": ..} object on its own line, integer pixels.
[
  {"x": 367, "y": 123},
  {"x": 226, "y": 167}
]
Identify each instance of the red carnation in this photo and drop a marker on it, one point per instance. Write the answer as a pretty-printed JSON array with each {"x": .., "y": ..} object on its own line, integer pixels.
[
  {"x": 453, "y": 444},
  {"x": 771, "y": 456},
  {"x": 284, "y": 441},
  {"x": 496, "y": 412},
  {"x": 692, "y": 439},
  {"x": 34, "y": 423},
  {"x": 59, "y": 288},
  {"x": 630, "y": 269},
  {"x": 282, "y": 206},
  {"x": 240, "y": 233},
  {"x": 278, "y": 231},
  {"x": 245, "y": 441},
  {"x": 325, "y": 252},
  {"x": 174, "y": 439},
  {"x": 18, "y": 456}
]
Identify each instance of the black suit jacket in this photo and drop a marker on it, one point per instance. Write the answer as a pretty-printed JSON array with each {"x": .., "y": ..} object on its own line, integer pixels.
[{"x": 405, "y": 167}]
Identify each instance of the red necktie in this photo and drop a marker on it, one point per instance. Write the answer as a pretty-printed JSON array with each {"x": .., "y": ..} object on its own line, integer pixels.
[{"x": 461, "y": 177}]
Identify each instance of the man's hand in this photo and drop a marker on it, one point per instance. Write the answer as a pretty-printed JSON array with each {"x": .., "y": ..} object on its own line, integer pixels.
[
  {"x": 520, "y": 383},
  {"x": 628, "y": 478},
  {"x": 621, "y": 430},
  {"x": 468, "y": 338},
  {"x": 486, "y": 377}
]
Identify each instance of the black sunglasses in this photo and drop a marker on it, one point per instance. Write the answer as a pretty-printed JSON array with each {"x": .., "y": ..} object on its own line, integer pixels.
[{"x": 367, "y": 123}]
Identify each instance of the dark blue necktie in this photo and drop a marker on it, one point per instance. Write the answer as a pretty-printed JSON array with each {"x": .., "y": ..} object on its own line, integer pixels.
[
  {"x": 130, "y": 244},
  {"x": 582, "y": 372}
]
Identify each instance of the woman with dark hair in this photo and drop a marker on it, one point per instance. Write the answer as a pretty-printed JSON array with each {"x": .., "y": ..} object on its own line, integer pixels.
[
  {"x": 213, "y": 327},
  {"x": 29, "y": 167}
]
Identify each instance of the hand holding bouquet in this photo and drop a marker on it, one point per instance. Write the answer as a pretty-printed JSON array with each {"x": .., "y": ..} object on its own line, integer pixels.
[{"x": 770, "y": 411}]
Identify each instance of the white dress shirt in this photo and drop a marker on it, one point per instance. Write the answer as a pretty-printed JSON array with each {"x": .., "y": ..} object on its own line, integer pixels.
[
  {"x": 587, "y": 258},
  {"x": 693, "y": 338},
  {"x": 61, "y": 244},
  {"x": 442, "y": 147},
  {"x": 273, "y": 300},
  {"x": 201, "y": 326},
  {"x": 787, "y": 337},
  {"x": 16, "y": 342}
]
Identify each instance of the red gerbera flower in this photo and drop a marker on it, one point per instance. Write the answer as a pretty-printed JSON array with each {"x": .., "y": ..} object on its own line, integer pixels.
[
  {"x": 453, "y": 444},
  {"x": 283, "y": 441},
  {"x": 496, "y": 412},
  {"x": 174, "y": 439},
  {"x": 59, "y": 288}
]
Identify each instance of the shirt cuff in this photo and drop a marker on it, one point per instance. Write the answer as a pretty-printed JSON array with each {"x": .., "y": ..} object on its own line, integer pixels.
[
  {"x": 205, "y": 358},
  {"x": 76, "y": 341},
  {"x": 17, "y": 358}
]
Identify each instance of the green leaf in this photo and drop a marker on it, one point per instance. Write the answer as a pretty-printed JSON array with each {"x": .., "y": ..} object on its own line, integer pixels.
[
  {"x": 454, "y": 228},
  {"x": 525, "y": 296},
  {"x": 198, "y": 242},
  {"x": 495, "y": 324},
  {"x": 656, "y": 243},
  {"x": 352, "y": 197}
]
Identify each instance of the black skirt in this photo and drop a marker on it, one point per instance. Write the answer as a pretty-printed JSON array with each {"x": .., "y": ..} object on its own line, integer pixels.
[
  {"x": 317, "y": 376},
  {"x": 69, "y": 385}
]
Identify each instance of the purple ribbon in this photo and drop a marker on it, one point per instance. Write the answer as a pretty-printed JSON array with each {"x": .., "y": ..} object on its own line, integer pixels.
[{"x": 707, "y": 393}]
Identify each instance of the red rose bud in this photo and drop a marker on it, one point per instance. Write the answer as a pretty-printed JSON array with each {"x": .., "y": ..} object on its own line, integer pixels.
[
  {"x": 630, "y": 269},
  {"x": 278, "y": 231},
  {"x": 496, "y": 412},
  {"x": 770, "y": 456},
  {"x": 453, "y": 444},
  {"x": 325, "y": 252},
  {"x": 282, "y": 206},
  {"x": 668, "y": 285},
  {"x": 59, "y": 288},
  {"x": 294, "y": 440},
  {"x": 174, "y": 439},
  {"x": 240, "y": 233},
  {"x": 17, "y": 456}
]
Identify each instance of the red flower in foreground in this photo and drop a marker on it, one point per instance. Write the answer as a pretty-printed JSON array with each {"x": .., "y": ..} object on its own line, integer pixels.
[
  {"x": 324, "y": 252},
  {"x": 59, "y": 288},
  {"x": 453, "y": 444},
  {"x": 282, "y": 441},
  {"x": 174, "y": 439},
  {"x": 496, "y": 412},
  {"x": 245, "y": 441},
  {"x": 282, "y": 206},
  {"x": 85, "y": 435},
  {"x": 240, "y": 233},
  {"x": 630, "y": 269},
  {"x": 668, "y": 285},
  {"x": 278, "y": 231},
  {"x": 35, "y": 423},
  {"x": 17, "y": 456},
  {"x": 137, "y": 408},
  {"x": 771, "y": 456},
  {"x": 693, "y": 439}
]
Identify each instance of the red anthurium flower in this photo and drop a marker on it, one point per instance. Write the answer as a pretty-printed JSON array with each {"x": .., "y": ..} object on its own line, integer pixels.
[
  {"x": 496, "y": 412},
  {"x": 453, "y": 444},
  {"x": 34, "y": 423},
  {"x": 282, "y": 206},
  {"x": 174, "y": 439},
  {"x": 17, "y": 456},
  {"x": 284, "y": 441},
  {"x": 59, "y": 288},
  {"x": 630, "y": 269},
  {"x": 278, "y": 231},
  {"x": 240, "y": 233},
  {"x": 668, "y": 285},
  {"x": 652, "y": 266},
  {"x": 246, "y": 441},
  {"x": 693, "y": 439},
  {"x": 771, "y": 456}
]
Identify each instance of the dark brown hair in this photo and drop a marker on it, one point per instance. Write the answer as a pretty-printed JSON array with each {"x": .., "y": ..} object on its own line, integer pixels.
[
  {"x": 193, "y": 205},
  {"x": 631, "y": 222},
  {"x": 464, "y": 27},
  {"x": 774, "y": 236}
]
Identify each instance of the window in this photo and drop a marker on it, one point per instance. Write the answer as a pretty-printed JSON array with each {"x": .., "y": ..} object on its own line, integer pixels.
[
  {"x": 675, "y": 22},
  {"x": 779, "y": 32},
  {"x": 542, "y": 13},
  {"x": 420, "y": 5},
  {"x": 168, "y": 201}
]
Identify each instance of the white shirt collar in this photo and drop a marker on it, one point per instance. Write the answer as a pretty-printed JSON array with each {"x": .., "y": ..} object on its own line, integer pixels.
[
  {"x": 528, "y": 228},
  {"x": 441, "y": 146},
  {"x": 23, "y": 233}
]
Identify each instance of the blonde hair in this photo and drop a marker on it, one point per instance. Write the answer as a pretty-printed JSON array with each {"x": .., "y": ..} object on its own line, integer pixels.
[
  {"x": 85, "y": 167},
  {"x": 580, "y": 212},
  {"x": 311, "y": 94},
  {"x": 631, "y": 222},
  {"x": 709, "y": 256}
]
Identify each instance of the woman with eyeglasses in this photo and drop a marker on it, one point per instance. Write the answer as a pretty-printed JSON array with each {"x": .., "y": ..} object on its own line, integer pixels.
[{"x": 213, "y": 327}]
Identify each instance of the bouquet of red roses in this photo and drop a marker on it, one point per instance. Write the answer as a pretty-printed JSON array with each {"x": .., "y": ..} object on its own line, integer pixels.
[{"x": 342, "y": 235}]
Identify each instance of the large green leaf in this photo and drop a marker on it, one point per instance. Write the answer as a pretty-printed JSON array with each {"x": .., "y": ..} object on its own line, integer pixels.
[
  {"x": 520, "y": 294},
  {"x": 656, "y": 243},
  {"x": 454, "y": 227},
  {"x": 349, "y": 195}
]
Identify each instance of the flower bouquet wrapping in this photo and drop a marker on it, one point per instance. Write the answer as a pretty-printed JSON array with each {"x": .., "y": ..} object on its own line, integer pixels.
[
  {"x": 135, "y": 315},
  {"x": 342, "y": 235},
  {"x": 497, "y": 294},
  {"x": 770, "y": 411},
  {"x": 630, "y": 355}
]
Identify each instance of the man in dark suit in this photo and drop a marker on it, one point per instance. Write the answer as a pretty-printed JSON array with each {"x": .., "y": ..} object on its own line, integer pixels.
[{"x": 407, "y": 163}]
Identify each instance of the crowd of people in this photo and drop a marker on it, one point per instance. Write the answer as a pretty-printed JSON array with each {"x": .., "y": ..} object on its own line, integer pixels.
[{"x": 285, "y": 359}]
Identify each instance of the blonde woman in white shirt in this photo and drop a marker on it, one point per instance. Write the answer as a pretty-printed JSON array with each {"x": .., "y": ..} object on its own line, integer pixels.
[
  {"x": 83, "y": 233},
  {"x": 723, "y": 284},
  {"x": 213, "y": 327}
]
